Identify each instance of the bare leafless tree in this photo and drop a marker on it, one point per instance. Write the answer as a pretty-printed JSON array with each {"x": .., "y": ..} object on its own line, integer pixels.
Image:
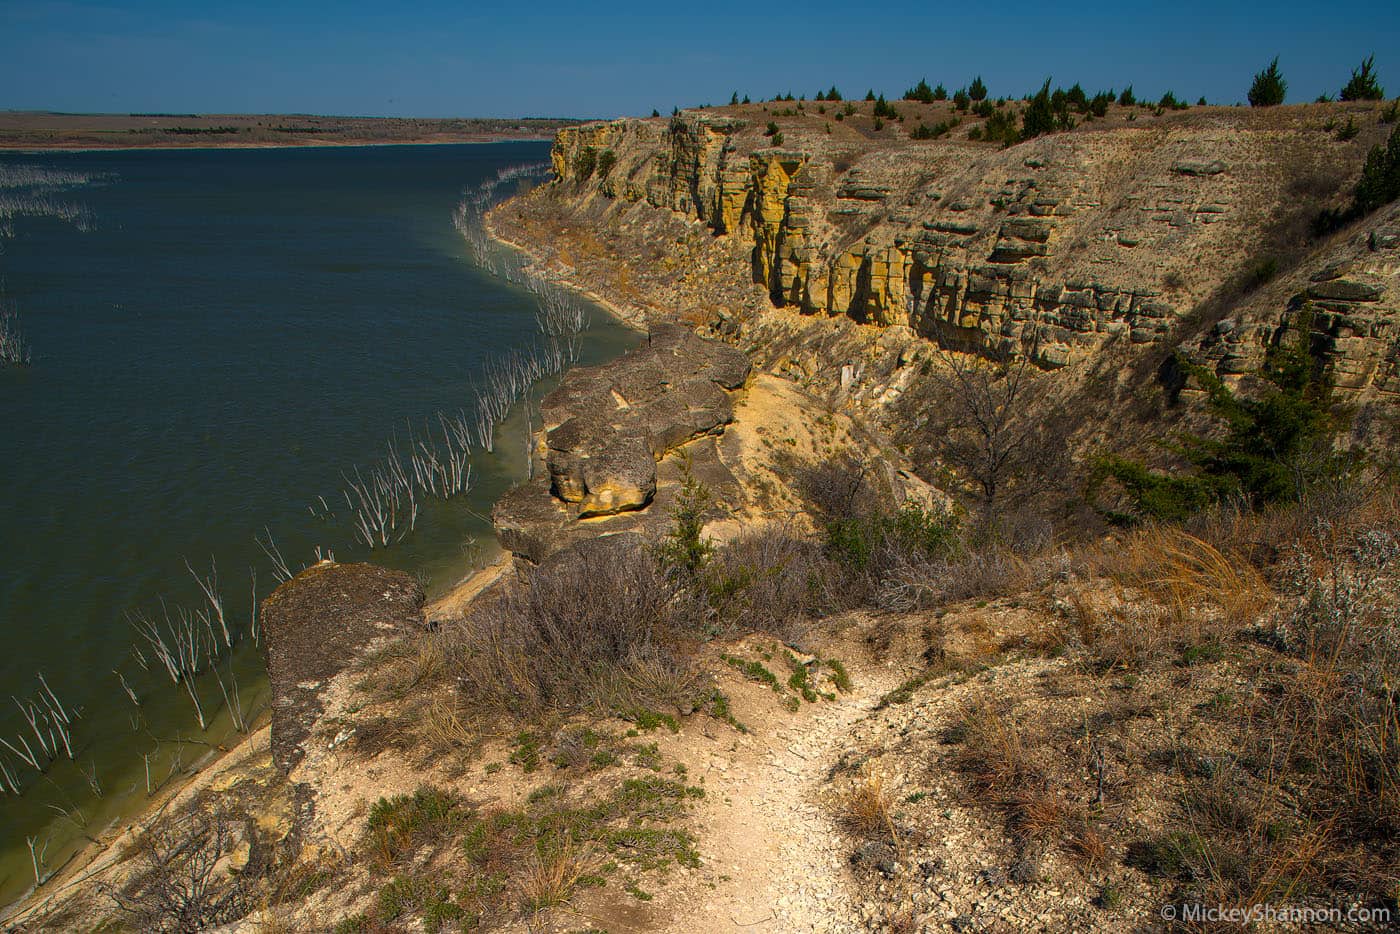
[
  {"x": 181, "y": 885},
  {"x": 977, "y": 417}
]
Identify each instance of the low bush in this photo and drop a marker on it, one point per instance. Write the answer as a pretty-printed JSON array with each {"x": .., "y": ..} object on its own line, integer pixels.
[
  {"x": 878, "y": 541},
  {"x": 770, "y": 580},
  {"x": 598, "y": 626}
]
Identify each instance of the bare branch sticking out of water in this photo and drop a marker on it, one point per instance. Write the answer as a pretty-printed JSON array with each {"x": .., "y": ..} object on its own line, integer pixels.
[
  {"x": 14, "y": 350},
  {"x": 50, "y": 726},
  {"x": 279, "y": 564}
]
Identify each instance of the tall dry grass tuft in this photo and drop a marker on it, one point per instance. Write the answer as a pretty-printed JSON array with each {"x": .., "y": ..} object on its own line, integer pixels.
[
  {"x": 1208, "y": 592},
  {"x": 442, "y": 728},
  {"x": 868, "y": 805},
  {"x": 550, "y": 876},
  {"x": 998, "y": 761}
]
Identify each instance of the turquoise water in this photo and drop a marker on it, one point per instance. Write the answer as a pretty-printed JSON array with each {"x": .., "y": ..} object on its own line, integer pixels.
[{"x": 218, "y": 336}]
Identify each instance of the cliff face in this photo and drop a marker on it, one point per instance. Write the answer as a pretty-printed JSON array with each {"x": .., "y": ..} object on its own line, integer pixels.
[{"x": 1178, "y": 229}]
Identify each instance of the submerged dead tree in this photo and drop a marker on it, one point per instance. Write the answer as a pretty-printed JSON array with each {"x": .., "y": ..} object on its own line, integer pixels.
[
  {"x": 48, "y": 738},
  {"x": 384, "y": 499},
  {"x": 14, "y": 350}
]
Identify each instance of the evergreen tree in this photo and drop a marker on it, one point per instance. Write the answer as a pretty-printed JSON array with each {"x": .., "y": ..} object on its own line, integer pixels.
[
  {"x": 1380, "y": 177},
  {"x": 1039, "y": 117},
  {"x": 977, "y": 90},
  {"x": 833, "y": 94},
  {"x": 1363, "y": 86},
  {"x": 940, "y": 93},
  {"x": 734, "y": 98},
  {"x": 1127, "y": 98},
  {"x": 920, "y": 92},
  {"x": 1269, "y": 88}
]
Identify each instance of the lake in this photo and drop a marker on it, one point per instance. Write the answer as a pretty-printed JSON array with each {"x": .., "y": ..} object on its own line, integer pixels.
[{"x": 219, "y": 338}]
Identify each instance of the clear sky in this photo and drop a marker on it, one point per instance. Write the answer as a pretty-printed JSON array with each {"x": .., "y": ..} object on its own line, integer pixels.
[{"x": 546, "y": 58}]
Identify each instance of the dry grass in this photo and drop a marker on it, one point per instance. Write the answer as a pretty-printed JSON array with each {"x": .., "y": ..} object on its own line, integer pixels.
[
  {"x": 550, "y": 879},
  {"x": 998, "y": 761},
  {"x": 442, "y": 728},
  {"x": 1195, "y": 580},
  {"x": 867, "y": 807}
]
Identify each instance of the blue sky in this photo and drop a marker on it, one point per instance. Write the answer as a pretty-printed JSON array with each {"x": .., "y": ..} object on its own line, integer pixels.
[{"x": 546, "y": 58}]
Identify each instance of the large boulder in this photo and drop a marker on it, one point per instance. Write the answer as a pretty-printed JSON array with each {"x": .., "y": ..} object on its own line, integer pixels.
[
  {"x": 620, "y": 477},
  {"x": 315, "y": 626},
  {"x": 606, "y": 427}
]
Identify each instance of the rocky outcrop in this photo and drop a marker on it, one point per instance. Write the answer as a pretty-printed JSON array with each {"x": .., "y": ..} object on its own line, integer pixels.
[
  {"x": 1059, "y": 245},
  {"x": 607, "y": 427},
  {"x": 315, "y": 626}
]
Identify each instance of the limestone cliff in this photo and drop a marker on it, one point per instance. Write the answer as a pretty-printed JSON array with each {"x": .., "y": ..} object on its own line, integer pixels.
[{"x": 1137, "y": 230}]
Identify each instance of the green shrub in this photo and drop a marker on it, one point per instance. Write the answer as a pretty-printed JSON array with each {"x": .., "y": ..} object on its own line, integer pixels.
[
  {"x": 884, "y": 109},
  {"x": 1363, "y": 86},
  {"x": 1127, "y": 98},
  {"x": 977, "y": 90},
  {"x": 1001, "y": 127},
  {"x": 941, "y": 128},
  {"x": 833, "y": 94},
  {"x": 585, "y": 162},
  {"x": 1170, "y": 101},
  {"x": 940, "y": 93},
  {"x": 1380, "y": 178},
  {"x": 685, "y": 549},
  {"x": 1273, "y": 449},
  {"x": 1045, "y": 114},
  {"x": 866, "y": 541},
  {"x": 606, "y": 161},
  {"x": 1378, "y": 186},
  {"x": 1269, "y": 87},
  {"x": 961, "y": 99}
]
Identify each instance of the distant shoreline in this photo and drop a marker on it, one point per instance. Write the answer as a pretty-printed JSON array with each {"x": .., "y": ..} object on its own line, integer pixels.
[
  {"x": 32, "y": 131},
  {"x": 6, "y": 147}
]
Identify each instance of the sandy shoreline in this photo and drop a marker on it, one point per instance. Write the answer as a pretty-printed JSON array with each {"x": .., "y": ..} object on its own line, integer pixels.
[{"x": 634, "y": 317}]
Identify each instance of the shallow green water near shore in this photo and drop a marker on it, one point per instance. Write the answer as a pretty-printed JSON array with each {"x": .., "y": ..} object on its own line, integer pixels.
[{"x": 217, "y": 337}]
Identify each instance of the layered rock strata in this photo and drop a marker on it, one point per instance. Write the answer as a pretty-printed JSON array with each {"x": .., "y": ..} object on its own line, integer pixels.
[{"x": 1130, "y": 235}]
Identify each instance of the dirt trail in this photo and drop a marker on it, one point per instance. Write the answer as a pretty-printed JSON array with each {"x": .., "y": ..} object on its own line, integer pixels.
[{"x": 773, "y": 854}]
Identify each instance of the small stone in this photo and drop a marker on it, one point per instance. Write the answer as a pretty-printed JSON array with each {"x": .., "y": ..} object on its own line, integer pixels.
[{"x": 1199, "y": 168}]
